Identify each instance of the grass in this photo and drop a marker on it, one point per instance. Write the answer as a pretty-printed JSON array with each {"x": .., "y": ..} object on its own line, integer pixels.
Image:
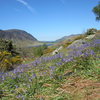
[{"x": 60, "y": 77}]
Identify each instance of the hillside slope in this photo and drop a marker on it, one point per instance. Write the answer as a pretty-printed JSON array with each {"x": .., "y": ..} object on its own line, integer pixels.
[
  {"x": 66, "y": 38},
  {"x": 19, "y": 37},
  {"x": 71, "y": 74}
]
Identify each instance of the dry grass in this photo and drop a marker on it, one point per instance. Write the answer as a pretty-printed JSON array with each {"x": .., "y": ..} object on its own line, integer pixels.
[{"x": 81, "y": 89}]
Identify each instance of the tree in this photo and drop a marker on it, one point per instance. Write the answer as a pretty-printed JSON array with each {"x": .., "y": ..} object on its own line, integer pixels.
[
  {"x": 91, "y": 31},
  {"x": 96, "y": 11},
  {"x": 10, "y": 46},
  {"x": 6, "y": 45}
]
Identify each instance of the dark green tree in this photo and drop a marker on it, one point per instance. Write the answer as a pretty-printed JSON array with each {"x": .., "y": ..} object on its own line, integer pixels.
[
  {"x": 6, "y": 45},
  {"x": 91, "y": 31},
  {"x": 10, "y": 46},
  {"x": 96, "y": 11}
]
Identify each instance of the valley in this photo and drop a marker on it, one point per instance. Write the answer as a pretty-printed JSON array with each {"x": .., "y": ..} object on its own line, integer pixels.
[{"x": 36, "y": 73}]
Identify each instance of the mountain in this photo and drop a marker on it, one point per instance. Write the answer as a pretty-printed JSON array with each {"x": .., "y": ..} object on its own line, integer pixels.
[
  {"x": 19, "y": 37},
  {"x": 66, "y": 38}
]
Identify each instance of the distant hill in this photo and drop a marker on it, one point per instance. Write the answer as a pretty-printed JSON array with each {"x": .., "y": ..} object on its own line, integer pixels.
[
  {"x": 19, "y": 37},
  {"x": 66, "y": 38}
]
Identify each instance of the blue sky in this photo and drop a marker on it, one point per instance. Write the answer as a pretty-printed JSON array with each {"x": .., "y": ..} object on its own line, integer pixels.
[{"x": 48, "y": 19}]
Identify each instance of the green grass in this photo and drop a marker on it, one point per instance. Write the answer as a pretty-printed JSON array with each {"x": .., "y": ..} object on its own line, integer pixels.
[{"x": 74, "y": 80}]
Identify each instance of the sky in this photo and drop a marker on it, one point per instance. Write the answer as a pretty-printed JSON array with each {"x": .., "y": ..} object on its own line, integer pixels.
[{"x": 48, "y": 20}]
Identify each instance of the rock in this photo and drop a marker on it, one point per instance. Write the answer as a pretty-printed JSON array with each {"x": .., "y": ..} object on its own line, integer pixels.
[
  {"x": 90, "y": 37},
  {"x": 77, "y": 43},
  {"x": 57, "y": 50}
]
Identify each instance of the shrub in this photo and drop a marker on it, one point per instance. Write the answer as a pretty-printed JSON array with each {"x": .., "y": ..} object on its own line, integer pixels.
[
  {"x": 91, "y": 31},
  {"x": 7, "y": 61},
  {"x": 39, "y": 51},
  {"x": 8, "y": 55},
  {"x": 6, "y": 45},
  {"x": 16, "y": 60},
  {"x": 49, "y": 50}
]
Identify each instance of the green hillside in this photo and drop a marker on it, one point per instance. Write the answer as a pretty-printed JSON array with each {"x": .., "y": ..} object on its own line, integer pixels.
[
  {"x": 73, "y": 73},
  {"x": 19, "y": 37}
]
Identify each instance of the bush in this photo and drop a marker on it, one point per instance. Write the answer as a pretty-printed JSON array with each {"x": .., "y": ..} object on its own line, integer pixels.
[
  {"x": 8, "y": 56},
  {"x": 91, "y": 31},
  {"x": 39, "y": 51},
  {"x": 7, "y": 61},
  {"x": 49, "y": 50},
  {"x": 6, "y": 45}
]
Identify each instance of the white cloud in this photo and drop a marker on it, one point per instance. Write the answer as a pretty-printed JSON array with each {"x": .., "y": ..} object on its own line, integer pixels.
[{"x": 27, "y": 5}]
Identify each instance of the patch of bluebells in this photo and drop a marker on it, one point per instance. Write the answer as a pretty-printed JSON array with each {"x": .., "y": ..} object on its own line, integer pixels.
[
  {"x": 59, "y": 63},
  {"x": 93, "y": 43},
  {"x": 65, "y": 60},
  {"x": 52, "y": 68},
  {"x": 83, "y": 50},
  {"x": 20, "y": 96},
  {"x": 25, "y": 67}
]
